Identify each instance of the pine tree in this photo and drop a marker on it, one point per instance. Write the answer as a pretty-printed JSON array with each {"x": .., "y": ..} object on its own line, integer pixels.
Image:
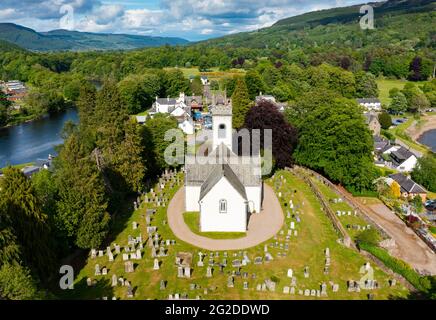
[
  {"x": 82, "y": 205},
  {"x": 241, "y": 104},
  {"x": 27, "y": 221}
]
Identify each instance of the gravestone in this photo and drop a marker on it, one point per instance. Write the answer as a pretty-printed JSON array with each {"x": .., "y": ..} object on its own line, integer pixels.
[
  {"x": 271, "y": 285},
  {"x": 138, "y": 254},
  {"x": 293, "y": 281},
  {"x": 292, "y": 290},
  {"x": 188, "y": 272},
  {"x": 258, "y": 260},
  {"x": 307, "y": 292},
  {"x": 111, "y": 256},
  {"x": 156, "y": 264},
  {"x": 245, "y": 285},
  {"x": 128, "y": 267},
  {"x": 100, "y": 253},
  {"x": 114, "y": 280},
  {"x": 133, "y": 256},
  {"x": 306, "y": 272},
  {"x": 117, "y": 249},
  {"x": 97, "y": 270},
  {"x": 230, "y": 282},
  {"x": 93, "y": 253},
  {"x": 89, "y": 282},
  {"x": 104, "y": 271},
  {"x": 129, "y": 291},
  {"x": 286, "y": 290},
  {"x": 180, "y": 272},
  {"x": 209, "y": 272},
  {"x": 162, "y": 285},
  {"x": 153, "y": 252},
  {"x": 335, "y": 287},
  {"x": 323, "y": 289},
  {"x": 290, "y": 273}
]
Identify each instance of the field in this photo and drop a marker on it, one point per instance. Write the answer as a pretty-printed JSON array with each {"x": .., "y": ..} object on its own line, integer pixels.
[
  {"x": 384, "y": 85},
  {"x": 213, "y": 74},
  {"x": 315, "y": 234}
]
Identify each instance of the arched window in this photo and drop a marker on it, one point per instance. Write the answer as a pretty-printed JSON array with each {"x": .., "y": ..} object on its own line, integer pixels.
[
  {"x": 223, "y": 206},
  {"x": 222, "y": 131}
]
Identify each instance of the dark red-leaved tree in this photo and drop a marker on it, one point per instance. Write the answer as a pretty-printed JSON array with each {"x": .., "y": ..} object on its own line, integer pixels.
[
  {"x": 265, "y": 115},
  {"x": 415, "y": 69}
]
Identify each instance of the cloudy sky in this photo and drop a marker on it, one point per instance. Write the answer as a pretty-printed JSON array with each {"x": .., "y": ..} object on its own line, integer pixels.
[{"x": 190, "y": 19}]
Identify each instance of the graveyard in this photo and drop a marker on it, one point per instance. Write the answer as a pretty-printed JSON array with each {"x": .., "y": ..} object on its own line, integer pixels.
[{"x": 304, "y": 260}]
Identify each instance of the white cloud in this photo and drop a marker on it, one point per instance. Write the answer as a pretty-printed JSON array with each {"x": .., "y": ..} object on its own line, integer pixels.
[{"x": 192, "y": 19}]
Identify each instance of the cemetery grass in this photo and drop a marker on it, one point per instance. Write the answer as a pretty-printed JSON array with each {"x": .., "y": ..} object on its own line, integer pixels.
[
  {"x": 192, "y": 220},
  {"x": 345, "y": 220},
  {"x": 315, "y": 233}
]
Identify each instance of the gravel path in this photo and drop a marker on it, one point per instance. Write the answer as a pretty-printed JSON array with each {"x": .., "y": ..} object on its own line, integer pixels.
[
  {"x": 261, "y": 227},
  {"x": 409, "y": 247}
]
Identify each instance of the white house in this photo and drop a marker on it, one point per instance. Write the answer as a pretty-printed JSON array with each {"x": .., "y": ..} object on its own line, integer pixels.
[
  {"x": 187, "y": 126},
  {"x": 370, "y": 104},
  {"x": 204, "y": 80},
  {"x": 403, "y": 159},
  {"x": 224, "y": 187}
]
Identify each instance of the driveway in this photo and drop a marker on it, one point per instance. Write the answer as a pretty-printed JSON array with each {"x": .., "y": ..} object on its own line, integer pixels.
[
  {"x": 261, "y": 227},
  {"x": 409, "y": 247}
]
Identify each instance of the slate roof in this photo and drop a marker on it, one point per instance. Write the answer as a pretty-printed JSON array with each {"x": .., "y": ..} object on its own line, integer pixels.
[
  {"x": 167, "y": 101},
  {"x": 380, "y": 143},
  {"x": 407, "y": 184},
  {"x": 369, "y": 117},
  {"x": 198, "y": 170},
  {"x": 222, "y": 110},
  {"x": 401, "y": 154},
  {"x": 220, "y": 171}
]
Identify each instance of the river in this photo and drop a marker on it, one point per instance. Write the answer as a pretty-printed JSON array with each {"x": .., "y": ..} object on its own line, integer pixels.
[
  {"x": 28, "y": 142},
  {"x": 429, "y": 139}
]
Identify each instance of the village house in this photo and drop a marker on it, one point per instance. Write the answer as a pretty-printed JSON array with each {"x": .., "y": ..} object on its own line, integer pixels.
[
  {"x": 409, "y": 188},
  {"x": 15, "y": 90},
  {"x": 404, "y": 160},
  {"x": 372, "y": 122},
  {"x": 224, "y": 187},
  {"x": 261, "y": 97},
  {"x": 370, "y": 104}
]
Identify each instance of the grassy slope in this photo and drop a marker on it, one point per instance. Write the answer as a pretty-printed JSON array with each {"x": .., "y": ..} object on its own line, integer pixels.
[{"x": 315, "y": 234}]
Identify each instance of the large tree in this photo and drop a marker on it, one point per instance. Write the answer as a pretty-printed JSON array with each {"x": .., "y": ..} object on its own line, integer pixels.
[
  {"x": 398, "y": 103},
  {"x": 26, "y": 221},
  {"x": 265, "y": 116},
  {"x": 366, "y": 85},
  {"x": 424, "y": 172},
  {"x": 255, "y": 84},
  {"x": 82, "y": 205},
  {"x": 333, "y": 138},
  {"x": 241, "y": 103}
]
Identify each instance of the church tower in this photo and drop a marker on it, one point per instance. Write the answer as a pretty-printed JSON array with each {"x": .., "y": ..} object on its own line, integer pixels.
[{"x": 222, "y": 125}]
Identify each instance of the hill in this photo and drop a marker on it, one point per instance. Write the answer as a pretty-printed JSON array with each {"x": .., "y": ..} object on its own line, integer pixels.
[
  {"x": 59, "y": 40},
  {"x": 7, "y": 46},
  {"x": 340, "y": 26}
]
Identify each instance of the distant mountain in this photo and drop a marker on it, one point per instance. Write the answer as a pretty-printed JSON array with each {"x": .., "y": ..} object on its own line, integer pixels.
[
  {"x": 7, "y": 46},
  {"x": 398, "y": 18},
  {"x": 58, "y": 40}
]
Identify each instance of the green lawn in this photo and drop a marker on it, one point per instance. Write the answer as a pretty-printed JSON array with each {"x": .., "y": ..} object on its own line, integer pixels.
[
  {"x": 213, "y": 74},
  {"x": 192, "y": 220},
  {"x": 315, "y": 233},
  {"x": 384, "y": 85},
  {"x": 329, "y": 195}
]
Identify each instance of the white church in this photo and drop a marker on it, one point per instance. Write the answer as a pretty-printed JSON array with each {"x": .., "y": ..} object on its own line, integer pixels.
[{"x": 224, "y": 187}]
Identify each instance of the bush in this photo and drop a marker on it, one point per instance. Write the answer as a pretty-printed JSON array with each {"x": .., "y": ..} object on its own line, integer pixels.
[
  {"x": 385, "y": 120},
  {"x": 369, "y": 236}
]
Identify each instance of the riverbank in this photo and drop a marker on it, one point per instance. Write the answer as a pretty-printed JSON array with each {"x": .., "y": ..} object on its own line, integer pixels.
[{"x": 418, "y": 128}]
